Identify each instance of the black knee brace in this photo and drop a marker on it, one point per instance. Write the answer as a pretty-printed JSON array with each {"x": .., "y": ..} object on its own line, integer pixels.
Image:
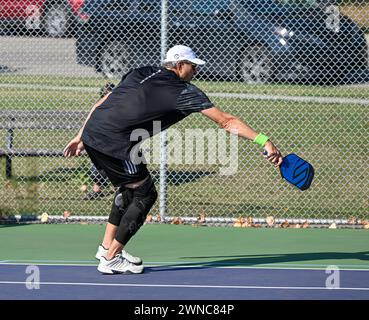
[
  {"x": 134, "y": 217},
  {"x": 122, "y": 198}
]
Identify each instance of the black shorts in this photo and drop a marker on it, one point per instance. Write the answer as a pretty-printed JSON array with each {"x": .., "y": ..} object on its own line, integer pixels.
[{"x": 119, "y": 172}]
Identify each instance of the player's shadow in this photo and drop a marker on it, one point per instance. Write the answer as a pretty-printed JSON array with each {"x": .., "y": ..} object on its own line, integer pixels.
[
  {"x": 268, "y": 260},
  {"x": 285, "y": 258}
]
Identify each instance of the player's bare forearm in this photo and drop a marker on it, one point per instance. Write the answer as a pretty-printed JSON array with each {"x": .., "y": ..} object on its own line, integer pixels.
[
  {"x": 236, "y": 126},
  {"x": 230, "y": 123}
]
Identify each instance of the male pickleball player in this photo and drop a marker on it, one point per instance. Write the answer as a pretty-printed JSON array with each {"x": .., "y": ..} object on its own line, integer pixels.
[{"x": 144, "y": 96}]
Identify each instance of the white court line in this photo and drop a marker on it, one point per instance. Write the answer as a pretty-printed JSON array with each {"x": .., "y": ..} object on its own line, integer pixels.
[
  {"x": 66, "y": 263},
  {"x": 201, "y": 286},
  {"x": 335, "y": 100}
]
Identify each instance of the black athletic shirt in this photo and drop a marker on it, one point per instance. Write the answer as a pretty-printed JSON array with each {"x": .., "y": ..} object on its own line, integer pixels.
[{"x": 144, "y": 95}]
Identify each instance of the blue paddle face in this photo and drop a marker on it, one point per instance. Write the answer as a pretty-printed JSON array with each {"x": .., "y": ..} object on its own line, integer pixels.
[{"x": 297, "y": 171}]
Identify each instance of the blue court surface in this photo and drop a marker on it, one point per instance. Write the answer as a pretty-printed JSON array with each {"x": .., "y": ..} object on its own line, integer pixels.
[{"x": 84, "y": 282}]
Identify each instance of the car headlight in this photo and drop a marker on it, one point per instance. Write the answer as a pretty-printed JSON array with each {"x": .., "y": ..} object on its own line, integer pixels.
[{"x": 283, "y": 34}]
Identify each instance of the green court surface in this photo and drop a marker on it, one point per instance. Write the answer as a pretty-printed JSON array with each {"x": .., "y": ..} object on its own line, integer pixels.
[{"x": 185, "y": 245}]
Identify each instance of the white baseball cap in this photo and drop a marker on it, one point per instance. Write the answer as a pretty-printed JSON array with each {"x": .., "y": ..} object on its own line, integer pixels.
[{"x": 182, "y": 53}]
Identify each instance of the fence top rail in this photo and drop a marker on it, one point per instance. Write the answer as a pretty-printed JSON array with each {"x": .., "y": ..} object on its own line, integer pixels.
[
  {"x": 41, "y": 119},
  {"x": 40, "y": 113}
]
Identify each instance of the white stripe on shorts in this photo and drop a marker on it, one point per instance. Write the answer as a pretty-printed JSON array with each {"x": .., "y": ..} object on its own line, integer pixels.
[{"x": 132, "y": 169}]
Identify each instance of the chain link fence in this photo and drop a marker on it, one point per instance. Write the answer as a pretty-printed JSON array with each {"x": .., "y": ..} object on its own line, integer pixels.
[{"x": 296, "y": 70}]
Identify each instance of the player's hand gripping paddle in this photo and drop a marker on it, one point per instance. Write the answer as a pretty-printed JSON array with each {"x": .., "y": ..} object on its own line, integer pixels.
[{"x": 296, "y": 171}]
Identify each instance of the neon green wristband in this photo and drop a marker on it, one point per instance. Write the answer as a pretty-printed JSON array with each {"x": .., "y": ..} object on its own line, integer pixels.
[{"x": 261, "y": 139}]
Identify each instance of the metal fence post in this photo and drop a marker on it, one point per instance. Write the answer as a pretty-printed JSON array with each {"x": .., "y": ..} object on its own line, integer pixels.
[
  {"x": 9, "y": 146},
  {"x": 163, "y": 135}
]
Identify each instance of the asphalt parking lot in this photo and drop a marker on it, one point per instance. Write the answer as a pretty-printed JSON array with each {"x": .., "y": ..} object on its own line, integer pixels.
[{"x": 49, "y": 56}]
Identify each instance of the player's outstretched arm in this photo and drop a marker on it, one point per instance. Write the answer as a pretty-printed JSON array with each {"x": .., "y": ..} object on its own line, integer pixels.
[{"x": 236, "y": 126}]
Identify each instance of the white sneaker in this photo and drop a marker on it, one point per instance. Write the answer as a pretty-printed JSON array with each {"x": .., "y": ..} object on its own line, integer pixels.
[
  {"x": 131, "y": 259},
  {"x": 102, "y": 252},
  {"x": 118, "y": 265}
]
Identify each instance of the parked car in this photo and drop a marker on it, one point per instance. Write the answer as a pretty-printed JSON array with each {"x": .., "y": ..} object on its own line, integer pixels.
[
  {"x": 251, "y": 40},
  {"x": 54, "y": 18}
]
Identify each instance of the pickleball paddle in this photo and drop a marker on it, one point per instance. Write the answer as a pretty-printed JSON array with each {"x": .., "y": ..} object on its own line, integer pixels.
[{"x": 297, "y": 171}]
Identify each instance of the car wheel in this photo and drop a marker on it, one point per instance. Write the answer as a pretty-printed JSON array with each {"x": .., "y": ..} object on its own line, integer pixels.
[
  {"x": 114, "y": 59},
  {"x": 255, "y": 65},
  {"x": 56, "y": 19}
]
